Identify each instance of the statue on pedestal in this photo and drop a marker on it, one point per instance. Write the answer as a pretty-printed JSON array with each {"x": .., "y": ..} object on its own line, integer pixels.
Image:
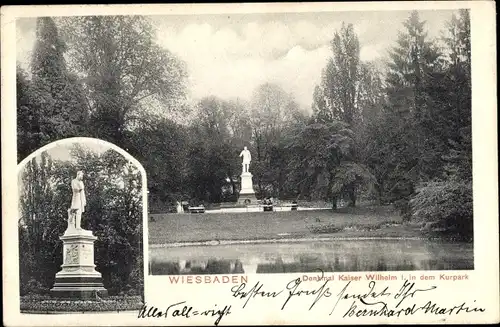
[
  {"x": 247, "y": 194},
  {"x": 78, "y": 278},
  {"x": 179, "y": 207},
  {"x": 78, "y": 201},
  {"x": 247, "y": 158}
]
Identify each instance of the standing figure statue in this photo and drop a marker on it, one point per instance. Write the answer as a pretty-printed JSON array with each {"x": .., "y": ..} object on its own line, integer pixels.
[
  {"x": 247, "y": 157},
  {"x": 179, "y": 207},
  {"x": 78, "y": 201}
]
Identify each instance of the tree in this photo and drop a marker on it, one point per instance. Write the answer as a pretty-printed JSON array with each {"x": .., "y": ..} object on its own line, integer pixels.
[
  {"x": 161, "y": 146},
  {"x": 319, "y": 108},
  {"x": 351, "y": 94},
  {"x": 459, "y": 82},
  {"x": 404, "y": 153},
  {"x": 340, "y": 78},
  {"x": 59, "y": 96},
  {"x": 213, "y": 149},
  {"x": 38, "y": 230},
  {"x": 50, "y": 105},
  {"x": 457, "y": 39},
  {"x": 412, "y": 60},
  {"x": 113, "y": 213},
  {"x": 28, "y": 118},
  {"x": 324, "y": 164},
  {"x": 447, "y": 200},
  {"x": 272, "y": 112},
  {"x": 370, "y": 98},
  {"x": 239, "y": 123},
  {"x": 48, "y": 62},
  {"x": 124, "y": 71}
]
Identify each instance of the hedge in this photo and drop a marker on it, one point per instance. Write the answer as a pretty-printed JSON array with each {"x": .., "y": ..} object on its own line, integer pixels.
[{"x": 113, "y": 303}]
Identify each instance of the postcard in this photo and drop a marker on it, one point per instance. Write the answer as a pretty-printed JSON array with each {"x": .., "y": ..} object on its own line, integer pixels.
[{"x": 249, "y": 164}]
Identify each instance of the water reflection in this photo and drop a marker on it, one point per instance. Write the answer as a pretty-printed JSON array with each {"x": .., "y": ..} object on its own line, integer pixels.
[
  {"x": 338, "y": 256},
  {"x": 196, "y": 267}
]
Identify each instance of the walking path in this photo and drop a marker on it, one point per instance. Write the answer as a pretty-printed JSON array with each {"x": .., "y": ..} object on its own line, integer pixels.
[{"x": 259, "y": 209}]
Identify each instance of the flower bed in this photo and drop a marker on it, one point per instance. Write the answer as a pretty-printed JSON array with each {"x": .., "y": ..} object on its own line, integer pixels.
[{"x": 39, "y": 303}]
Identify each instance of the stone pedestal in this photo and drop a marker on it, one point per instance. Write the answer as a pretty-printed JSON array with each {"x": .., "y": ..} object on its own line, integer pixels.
[
  {"x": 78, "y": 278},
  {"x": 247, "y": 194}
]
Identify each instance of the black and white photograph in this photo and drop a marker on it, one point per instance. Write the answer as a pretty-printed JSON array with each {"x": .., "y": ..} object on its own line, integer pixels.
[
  {"x": 80, "y": 229},
  {"x": 273, "y": 143},
  {"x": 252, "y": 163},
  {"x": 344, "y": 145}
]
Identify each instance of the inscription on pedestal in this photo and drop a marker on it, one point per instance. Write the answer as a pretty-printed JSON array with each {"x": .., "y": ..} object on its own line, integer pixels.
[{"x": 86, "y": 253}]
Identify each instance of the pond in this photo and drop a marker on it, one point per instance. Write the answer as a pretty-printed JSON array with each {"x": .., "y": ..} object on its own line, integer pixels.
[{"x": 330, "y": 256}]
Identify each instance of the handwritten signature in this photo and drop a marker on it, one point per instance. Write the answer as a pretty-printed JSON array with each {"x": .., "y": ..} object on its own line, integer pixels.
[
  {"x": 385, "y": 310},
  {"x": 181, "y": 309}
]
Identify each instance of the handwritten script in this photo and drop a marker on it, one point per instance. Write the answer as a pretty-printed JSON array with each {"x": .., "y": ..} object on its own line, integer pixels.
[
  {"x": 183, "y": 310},
  {"x": 374, "y": 299}
]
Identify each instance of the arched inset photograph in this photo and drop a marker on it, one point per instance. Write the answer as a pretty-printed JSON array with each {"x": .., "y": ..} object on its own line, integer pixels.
[{"x": 81, "y": 228}]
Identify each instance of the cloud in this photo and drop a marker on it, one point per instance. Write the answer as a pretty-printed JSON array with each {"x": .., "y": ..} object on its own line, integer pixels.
[
  {"x": 300, "y": 70},
  {"x": 231, "y": 62},
  {"x": 373, "y": 52},
  {"x": 230, "y": 57},
  {"x": 25, "y": 40}
]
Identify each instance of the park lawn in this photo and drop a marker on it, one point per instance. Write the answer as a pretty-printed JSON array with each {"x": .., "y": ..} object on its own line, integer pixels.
[{"x": 353, "y": 222}]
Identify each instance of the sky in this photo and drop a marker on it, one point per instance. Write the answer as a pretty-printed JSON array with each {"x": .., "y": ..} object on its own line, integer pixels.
[
  {"x": 230, "y": 55},
  {"x": 63, "y": 151}
]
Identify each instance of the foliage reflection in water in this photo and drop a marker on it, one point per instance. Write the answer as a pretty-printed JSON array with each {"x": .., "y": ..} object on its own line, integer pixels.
[{"x": 333, "y": 256}]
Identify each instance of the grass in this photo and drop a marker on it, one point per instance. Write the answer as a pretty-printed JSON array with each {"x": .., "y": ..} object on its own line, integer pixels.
[{"x": 351, "y": 222}]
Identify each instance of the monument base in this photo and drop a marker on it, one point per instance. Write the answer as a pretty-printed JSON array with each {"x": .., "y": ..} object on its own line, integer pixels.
[
  {"x": 86, "y": 290},
  {"x": 247, "y": 199},
  {"x": 78, "y": 278},
  {"x": 247, "y": 194}
]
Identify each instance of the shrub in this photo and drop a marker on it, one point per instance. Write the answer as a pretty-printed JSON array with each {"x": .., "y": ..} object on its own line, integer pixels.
[
  {"x": 448, "y": 203},
  {"x": 112, "y": 303},
  {"x": 34, "y": 287},
  {"x": 403, "y": 207}
]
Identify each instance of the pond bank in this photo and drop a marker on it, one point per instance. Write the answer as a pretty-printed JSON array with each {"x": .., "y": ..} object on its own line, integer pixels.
[{"x": 287, "y": 240}]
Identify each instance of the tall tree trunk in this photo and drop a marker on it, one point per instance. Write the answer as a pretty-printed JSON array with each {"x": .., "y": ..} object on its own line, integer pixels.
[
  {"x": 352, "y": 197},
  {"x": 379, "y": 189},
  {"x": 334, "y": 202}
]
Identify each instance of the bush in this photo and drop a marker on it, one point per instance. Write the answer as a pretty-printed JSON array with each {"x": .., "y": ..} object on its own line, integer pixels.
[
  {"x": 447, "y": 203},
  {"x": 36, "y": 297},
  {"x": 403, "y": 207},
  {"x": 34, "y": 287},
  {"x": 112, "y": 303}
]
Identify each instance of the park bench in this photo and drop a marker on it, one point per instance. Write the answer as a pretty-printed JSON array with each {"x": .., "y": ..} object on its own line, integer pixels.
[
  {"x": 196, "y": 209},
  {"x": 267, "y": 207},
  {"x": 292, "y": 206}
]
